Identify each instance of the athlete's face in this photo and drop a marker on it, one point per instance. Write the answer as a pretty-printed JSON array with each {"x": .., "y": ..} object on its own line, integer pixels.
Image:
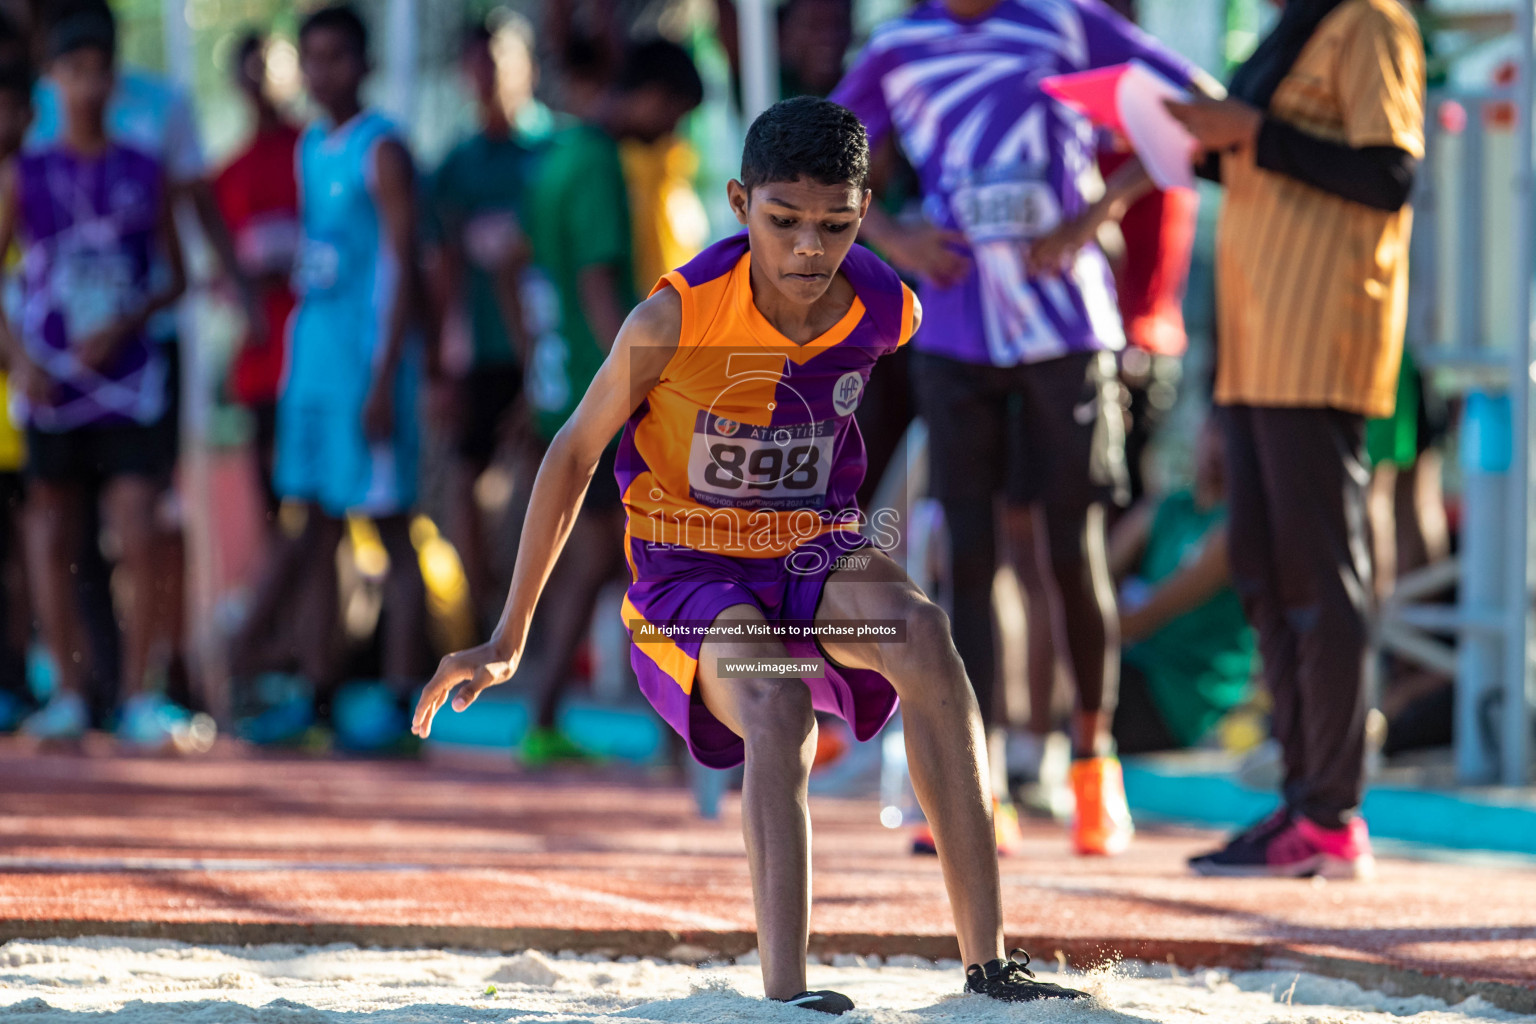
[
  {"x": 800, "y": 231},
  {"x": 333, "y": 68},
  {"x": 84, "y": 77}
]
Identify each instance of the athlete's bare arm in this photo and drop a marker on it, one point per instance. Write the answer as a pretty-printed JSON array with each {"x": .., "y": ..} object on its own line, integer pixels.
[
  {"x": 395, "y": 190},
  {"x": 640, "y": 354}
]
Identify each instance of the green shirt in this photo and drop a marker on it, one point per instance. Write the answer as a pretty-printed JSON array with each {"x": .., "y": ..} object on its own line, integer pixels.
[
  {"x": 1199, "y": 665},
  {"x": 578, "y": 219},
  {"x": 479, "y": 198}
]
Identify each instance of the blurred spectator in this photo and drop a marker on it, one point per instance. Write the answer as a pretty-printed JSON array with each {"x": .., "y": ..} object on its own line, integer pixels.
[
  {"x": 814, "y": 37},
  {"x": 478, "y": 208},
  {"x": 579, "y": 223},
  {"x": 586, "y": 42},
  {"x": 1189, "y": 657},
  {"x": 258, "y": 198},
  {"x": 91, "y": 214},
  {"x": 16, "y": 700},
  {"x": 150, "y": 114},
  {"x": 668, "y": 223},
  {"x": 347, "y": 417},
  {"x": 1015, "y": 370},
  {"x": 1317, "y": 147}
]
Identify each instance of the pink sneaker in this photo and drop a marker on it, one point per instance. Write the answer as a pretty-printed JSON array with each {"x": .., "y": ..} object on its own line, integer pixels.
[
  {"x": 1335, "y": 852},
  {"x": 1290, "y": 846}
]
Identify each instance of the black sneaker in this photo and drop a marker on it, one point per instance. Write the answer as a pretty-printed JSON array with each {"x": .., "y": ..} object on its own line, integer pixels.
[
  {"x": 1247, "y": 849},
  {"x": 1011, "y": 981},
  {"x": 824, "y": 1001}
]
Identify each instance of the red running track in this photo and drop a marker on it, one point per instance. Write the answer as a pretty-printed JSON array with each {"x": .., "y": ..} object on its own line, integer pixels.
[{"x": 241, "y": 847}]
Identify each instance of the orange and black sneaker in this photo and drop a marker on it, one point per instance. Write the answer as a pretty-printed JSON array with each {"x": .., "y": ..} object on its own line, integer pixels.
[{"x": 1101, "y": 822}]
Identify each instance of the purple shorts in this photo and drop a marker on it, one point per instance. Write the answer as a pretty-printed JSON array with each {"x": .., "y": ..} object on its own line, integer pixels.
[{"x": 675, "y": 584}]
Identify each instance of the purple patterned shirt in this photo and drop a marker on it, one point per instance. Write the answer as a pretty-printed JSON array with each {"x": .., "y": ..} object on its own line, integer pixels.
[
  {"x": 1002, "y": 162},
  {"x": 89, "y": 231}
]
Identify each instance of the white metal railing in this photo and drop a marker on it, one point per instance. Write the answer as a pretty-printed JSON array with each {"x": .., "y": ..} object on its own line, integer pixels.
[{"x": 1471, "y": 325}]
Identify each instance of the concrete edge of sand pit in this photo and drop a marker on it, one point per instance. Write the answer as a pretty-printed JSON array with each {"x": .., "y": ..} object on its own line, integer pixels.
[{"x": 698, "y": 946}]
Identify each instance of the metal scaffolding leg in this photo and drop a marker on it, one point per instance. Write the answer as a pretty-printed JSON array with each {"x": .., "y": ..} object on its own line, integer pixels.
[
  {"x": 759, "y": 58},
  {"x": 1515, "y": 740}
]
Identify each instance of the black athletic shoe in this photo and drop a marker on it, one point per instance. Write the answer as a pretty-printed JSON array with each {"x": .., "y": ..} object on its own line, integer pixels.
[
  {"x": 824, "y": 1001},
  {"x": 1247, "y": 850},
  {"x": 1012, "y": 981}
]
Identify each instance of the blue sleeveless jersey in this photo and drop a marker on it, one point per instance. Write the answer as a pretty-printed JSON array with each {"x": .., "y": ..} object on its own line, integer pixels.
[{"x": 346, "y": 275}]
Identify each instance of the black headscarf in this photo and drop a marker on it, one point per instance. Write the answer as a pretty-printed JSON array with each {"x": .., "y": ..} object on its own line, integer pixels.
[{"x": 1256, "y": 80}]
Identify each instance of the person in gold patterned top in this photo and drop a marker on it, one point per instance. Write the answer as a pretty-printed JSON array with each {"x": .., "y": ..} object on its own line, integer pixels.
[{"x": 1317, "y": 147}]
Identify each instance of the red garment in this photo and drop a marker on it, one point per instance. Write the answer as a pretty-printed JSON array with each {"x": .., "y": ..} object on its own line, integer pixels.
[
  {"x": 1159, "y": 232},
  {"x": 258, "y": 194}
]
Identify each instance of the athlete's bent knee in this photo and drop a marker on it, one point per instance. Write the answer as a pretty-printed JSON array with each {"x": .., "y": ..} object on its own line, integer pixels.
[{"x": 776, "y": 713}]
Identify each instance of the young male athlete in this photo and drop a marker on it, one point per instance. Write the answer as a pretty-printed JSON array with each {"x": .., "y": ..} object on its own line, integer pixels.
[
  {"x": 346, "y": 418},
  {"x": 735, "y": 385},
  {"x": 92, "y": 217}
]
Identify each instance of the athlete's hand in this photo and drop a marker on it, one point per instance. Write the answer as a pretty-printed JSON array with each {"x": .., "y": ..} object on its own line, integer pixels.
[
  {"x": 477, "y": 668},
  {"x": 1219, "y": 124},
  {"x": 1055, "y": 252},
  {"x": 379, "y": 412},
  {"x": 96, "y": 349},
  {"x": 930, "y": 252},
  {"x": 31, "y": 380}
]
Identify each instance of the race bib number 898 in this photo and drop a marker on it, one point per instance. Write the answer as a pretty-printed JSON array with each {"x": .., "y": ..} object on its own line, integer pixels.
[{"x": 738, "y": 465}]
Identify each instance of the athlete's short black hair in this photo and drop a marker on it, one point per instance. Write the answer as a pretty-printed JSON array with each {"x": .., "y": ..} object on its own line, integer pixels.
[
  {"x": 664, "y": 63},
  {"x": 78, "y": 25},
  {"x": 806, "y": 137},
  {"x": 341, "y": 18}
]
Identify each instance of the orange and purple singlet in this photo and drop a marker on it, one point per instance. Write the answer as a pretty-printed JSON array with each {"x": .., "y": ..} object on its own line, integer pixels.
[{"x": 739, "y": 472}]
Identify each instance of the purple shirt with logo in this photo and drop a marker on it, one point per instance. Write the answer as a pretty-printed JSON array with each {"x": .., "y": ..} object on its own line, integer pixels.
[
  {"x": 89, "y": 231},
  {"x": 1002, "y": 162}
]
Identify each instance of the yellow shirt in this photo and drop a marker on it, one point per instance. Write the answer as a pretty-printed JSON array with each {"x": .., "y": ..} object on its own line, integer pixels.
[
  {"x": 13, "y": 443},
  {"x": 668, "y": 223},
  {"x": 1311, "y": 288}
]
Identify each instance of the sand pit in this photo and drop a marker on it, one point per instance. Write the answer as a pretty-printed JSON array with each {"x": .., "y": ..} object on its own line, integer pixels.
[{"x": 141, "y": 981}]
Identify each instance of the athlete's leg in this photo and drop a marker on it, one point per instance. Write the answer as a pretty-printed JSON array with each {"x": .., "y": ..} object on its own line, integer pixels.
[
  {"x": 1027, "y": 557},
  {"x": 1073, "y": 423},
  {"x": 774, "y": 718},
  {"x": 130, "y": 511},
  {"x": 946, "y": 748},
  {"x": 265, "y": 640},
  {"x": 405, "y": 601},
  {"x": 1090, "y": 625},
  {"x": 54, "y": 518},
  {"x": 319, "y": 614},
  {"x": 965, "y": 408}
]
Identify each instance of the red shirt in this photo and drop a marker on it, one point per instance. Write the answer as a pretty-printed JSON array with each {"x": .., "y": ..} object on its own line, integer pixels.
[
  {"x": 1159, "y": 232},
  {"x": 258, "y": 194}
]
